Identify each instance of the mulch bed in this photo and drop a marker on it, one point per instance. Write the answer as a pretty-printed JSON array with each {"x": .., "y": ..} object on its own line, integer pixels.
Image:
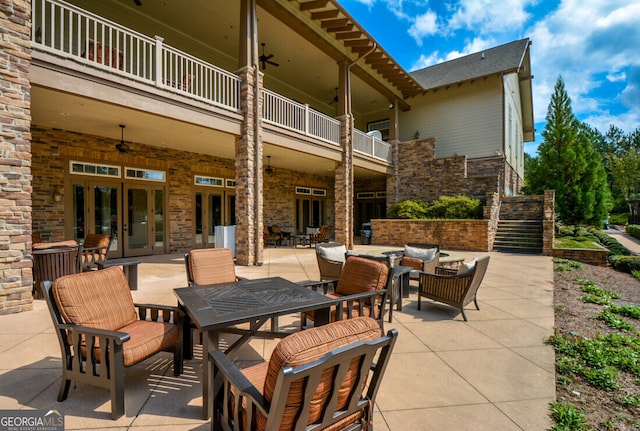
[{"x": 573, "y": 316}]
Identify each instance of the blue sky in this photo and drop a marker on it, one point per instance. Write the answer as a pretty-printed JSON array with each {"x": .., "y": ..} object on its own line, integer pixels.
[{"x": 593, "y": 44}]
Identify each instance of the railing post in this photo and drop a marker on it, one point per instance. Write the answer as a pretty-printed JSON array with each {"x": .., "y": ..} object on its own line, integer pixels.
[
  {"x": 306, "y": 120},
  {"x": 159, "y": 69}
]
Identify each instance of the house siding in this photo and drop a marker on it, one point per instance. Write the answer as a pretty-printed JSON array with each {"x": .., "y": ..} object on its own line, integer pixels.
[
  {"x": 514, "y": 145},
  {"x": 464, "y": 119}
]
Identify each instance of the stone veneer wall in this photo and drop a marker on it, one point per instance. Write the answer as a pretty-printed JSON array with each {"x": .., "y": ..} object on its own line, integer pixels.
[
  {"x": 522, "y": 208},
  {"x": 16, "y": 277},
  {"x": 421, "y": 176},
  {"x": 591, "y": 257},
  {"x": 52, "y": 150},
  {"x": 472, "y": 235}
]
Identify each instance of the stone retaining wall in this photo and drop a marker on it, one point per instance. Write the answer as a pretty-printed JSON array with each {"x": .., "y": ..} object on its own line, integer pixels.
[
  {"x": 472, "y": 235},
  {"x": 588, "y": 256}
]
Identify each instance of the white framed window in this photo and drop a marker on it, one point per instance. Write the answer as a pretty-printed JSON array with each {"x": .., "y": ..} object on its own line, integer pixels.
[
  {"x": 303, "y": 190},
  {"x": 230, "y": 184},
  {"x": 201, "y": 180},
  {"x": 381, "y": 194},
  {"x": 144, "y": 174},
  {"x": 318, "y": 192},
  {"x": 366, "y": 195},
  {"x": 94, "y": 169}
]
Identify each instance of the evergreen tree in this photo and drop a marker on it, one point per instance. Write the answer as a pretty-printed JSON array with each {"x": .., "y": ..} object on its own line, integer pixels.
[{"x": 569, "y": 163}]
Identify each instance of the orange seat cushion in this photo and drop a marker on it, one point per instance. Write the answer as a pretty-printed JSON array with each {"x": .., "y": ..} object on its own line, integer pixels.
[
  {"x": 362, "y": 275},
  {"x": 212, "y": 266},
  {"x": 102, "y": 299},
  {"x": 96, "y": 299},
  {"x": 307, "y": 346},
  {"x": 413, "y": 262}
]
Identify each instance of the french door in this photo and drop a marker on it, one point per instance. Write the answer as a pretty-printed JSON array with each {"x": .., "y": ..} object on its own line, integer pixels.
[
  {"x": 144, "y": 221},
  {"x": 310, "y": 212},
  {"x": 212, "y": 209},
  {"x": 133, "y": 215}
]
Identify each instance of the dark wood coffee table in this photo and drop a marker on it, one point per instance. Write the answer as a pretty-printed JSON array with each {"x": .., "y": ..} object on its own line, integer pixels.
[{"x": 217, "y": 308}]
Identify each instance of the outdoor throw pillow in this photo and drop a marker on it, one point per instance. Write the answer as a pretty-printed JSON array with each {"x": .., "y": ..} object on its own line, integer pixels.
[
  {"x": 335, "y": 254},
  {"x": 421, "y": 253},
  {"x": 466, "y": 267}
]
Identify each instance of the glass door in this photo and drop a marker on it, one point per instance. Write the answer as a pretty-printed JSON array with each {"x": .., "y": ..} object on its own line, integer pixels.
[
  {"x": 209, "y": 214},
  {"x": 96, "y": 209},
  {"x": 310, "y": 213},
  {"x": 143, "y": 222}
]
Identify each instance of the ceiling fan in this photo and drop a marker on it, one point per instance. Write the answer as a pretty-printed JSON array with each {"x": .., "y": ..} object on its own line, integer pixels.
[
  {"x": 122, "y": 146},
  {"x": 264, "y": 59},
  {"x": 268, "y": 169},
  {"x": 335, "y": 98}
]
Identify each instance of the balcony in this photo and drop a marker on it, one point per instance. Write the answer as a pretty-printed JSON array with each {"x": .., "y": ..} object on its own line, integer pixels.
[{"x": 69, "y": 32}]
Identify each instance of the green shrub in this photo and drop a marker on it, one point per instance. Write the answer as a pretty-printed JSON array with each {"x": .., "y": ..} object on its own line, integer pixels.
[
  {"x": 456, "y": 207},
  {"x": 449, "y": 207},
  {"x": 611, "y": 243},
  {"x": 409, "y": 209},
  {"x": 619, "y": 218},
  {"x": 626, "y": 264},
  {"x": 634, "y": 230}
]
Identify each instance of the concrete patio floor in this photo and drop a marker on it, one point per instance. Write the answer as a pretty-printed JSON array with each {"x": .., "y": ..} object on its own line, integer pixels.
[{"x": 493, "y": 372}]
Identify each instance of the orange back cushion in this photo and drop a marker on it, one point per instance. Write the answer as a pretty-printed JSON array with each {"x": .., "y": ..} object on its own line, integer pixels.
[
  {"x": 212, "y": 265},
  {"x": 307, "y": 346},
  {"x": 360, "y": 275},
  {"x": 96, "y": 299}
]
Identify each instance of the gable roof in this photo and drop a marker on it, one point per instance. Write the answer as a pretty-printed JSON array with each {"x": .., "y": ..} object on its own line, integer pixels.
[{"x": 500, "y": 59}]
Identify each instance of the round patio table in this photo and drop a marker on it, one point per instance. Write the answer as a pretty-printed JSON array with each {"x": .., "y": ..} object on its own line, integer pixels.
[{"x": 451, "y": 259}]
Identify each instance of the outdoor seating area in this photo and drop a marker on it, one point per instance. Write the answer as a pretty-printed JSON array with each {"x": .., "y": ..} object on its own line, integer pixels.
[{"x": 505, "y": 340}]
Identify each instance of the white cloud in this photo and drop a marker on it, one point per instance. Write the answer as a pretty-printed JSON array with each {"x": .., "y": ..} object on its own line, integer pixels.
[
  {"x": 426, "y": 61},
  {"x": 591, "y": 43},
  {"x": 424, "y": 25},
  {"x": 485, "y": 16}
]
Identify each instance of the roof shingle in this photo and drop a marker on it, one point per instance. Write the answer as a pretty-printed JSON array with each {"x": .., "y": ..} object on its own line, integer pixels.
[{"x": 500, "y": 59}]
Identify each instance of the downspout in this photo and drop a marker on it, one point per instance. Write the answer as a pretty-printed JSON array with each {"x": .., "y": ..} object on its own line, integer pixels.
[{"x": 373, "y": 48}]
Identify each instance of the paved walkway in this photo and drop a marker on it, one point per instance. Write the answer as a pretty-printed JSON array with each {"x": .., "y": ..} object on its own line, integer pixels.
[
  {"x": 631, "y": 243},
  {"x": 493, "y": 372}
]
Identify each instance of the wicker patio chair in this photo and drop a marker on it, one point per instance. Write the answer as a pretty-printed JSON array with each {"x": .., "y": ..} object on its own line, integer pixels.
[
  {"x": 325, "y": 378},
  {"x": 454, "y": 287},
  {"x": 420, "y": 257},
  {"x": 101, "y": 331},
  {"x": 330, "y": 257}
]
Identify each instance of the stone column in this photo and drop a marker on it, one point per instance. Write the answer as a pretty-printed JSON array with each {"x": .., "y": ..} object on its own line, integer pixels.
[
  {"x": 16, "y": 277},
  {"x": 248, "y": 162},
  {"x": 548, "y": 216},
  {"x": 393, "y": 192},
  {"x": 344, "y": 170},
  {"x": 344, "y": 185}
]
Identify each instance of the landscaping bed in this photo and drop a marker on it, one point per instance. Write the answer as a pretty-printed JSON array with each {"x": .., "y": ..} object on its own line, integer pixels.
[{"x": 597, "y": 348}]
